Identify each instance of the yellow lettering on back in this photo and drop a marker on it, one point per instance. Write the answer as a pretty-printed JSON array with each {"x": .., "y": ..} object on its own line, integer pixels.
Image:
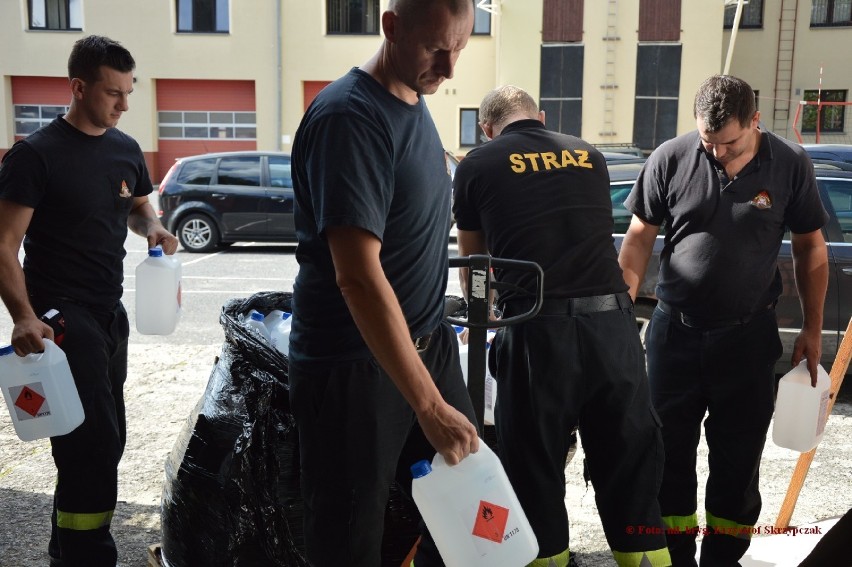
[
  {"x": 518, "y": 165},
  {"x": 584, "y": 159},
  {"x": 549, "y": 160},
  {"x": 533, "y": 160},
  {"x": 568, "y": 159}
]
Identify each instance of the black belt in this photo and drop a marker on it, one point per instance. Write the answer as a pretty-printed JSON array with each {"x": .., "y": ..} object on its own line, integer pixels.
[
  {"x": 577, "y": 305},
  {"x": 704, "y": 322},
  {"x": 422, "y": 343}
]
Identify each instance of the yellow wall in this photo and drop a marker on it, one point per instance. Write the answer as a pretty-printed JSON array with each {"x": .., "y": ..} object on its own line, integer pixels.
[
  {"x": 511, "y": 54},
  {"x": 146, "y": 28}
]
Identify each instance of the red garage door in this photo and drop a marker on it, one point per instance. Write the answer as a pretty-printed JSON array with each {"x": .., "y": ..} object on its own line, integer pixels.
[
  {"x": 37, "y": 101},
  {"x": 197, "y": 117}
]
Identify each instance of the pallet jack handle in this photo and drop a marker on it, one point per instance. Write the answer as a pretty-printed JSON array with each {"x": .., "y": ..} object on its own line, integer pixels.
[{"x": 478, "y": 309}]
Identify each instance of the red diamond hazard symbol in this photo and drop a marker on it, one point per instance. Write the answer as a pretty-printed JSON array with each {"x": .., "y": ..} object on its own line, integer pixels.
[
  {"x": 490, "y": 521},
  {"x": 30, "y": 401}
]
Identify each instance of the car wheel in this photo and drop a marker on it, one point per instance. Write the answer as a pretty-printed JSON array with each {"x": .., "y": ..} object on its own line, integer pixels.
[
  {"x": 197, "y": 233},
  {"x": 643, "y": 313}
]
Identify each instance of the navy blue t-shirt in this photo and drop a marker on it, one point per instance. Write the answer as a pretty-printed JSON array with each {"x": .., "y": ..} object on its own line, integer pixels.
[
  {"x": 81, "y": 188},
  {"x": 364, "y": 158}
]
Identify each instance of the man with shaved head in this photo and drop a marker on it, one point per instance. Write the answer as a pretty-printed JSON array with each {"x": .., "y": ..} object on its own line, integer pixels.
[{"x": 374, "y": 369}]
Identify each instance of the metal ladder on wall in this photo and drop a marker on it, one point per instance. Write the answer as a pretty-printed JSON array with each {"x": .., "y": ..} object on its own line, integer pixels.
[
  {"x": 609, "y": 86},
  {"x": 784, "y": 66}
]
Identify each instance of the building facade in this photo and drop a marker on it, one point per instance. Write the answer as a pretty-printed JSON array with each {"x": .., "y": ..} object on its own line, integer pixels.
[{"x": 218, "y": 75}]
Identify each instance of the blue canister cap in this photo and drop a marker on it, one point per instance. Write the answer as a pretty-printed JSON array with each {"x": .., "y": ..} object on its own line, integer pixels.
[
  {"x": 6, "y": 350},
  {"x": 155, "y": 252},
  {"x": 256, "y": 315},
  {"x": 421, "y": 469},
  {"x": 285, "y": 315}
]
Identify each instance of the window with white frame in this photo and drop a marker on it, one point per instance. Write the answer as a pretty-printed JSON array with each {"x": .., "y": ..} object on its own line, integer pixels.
[
  {"x": 470, "y": 133},
  {"x": 831, "y": 13},
  {"x": 31, "y": 117},
  {"x": 353, "y": 17},
  {"x": 55, "y": 14},
  {"x": 203, "y": 125},
  {"x": 202, "y": 16}
]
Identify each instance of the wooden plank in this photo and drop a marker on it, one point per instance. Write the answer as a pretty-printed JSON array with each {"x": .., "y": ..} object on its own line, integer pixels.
[
  {"x": 154, "y": 556},
  {"x": 838, "y": 371}
]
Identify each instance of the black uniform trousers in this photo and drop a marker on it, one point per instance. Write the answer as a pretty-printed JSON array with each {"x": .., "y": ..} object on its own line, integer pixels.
[
  {"x": 356, "y": 435},
  {"x": 561, "y": 369},
  {"x": 95, "y": 343},
  {"x": 726, "y": 372}
]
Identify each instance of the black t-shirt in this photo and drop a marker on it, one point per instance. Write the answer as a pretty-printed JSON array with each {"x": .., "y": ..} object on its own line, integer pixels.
[
  {"x": 723, "y": 236},
  {"x": 364, "y": 158},
  {"x": 81, "y": 188},
  {"x": 544, "y": 197}
]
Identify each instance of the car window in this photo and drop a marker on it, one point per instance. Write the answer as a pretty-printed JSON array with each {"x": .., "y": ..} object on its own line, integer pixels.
[
  {"x": 840, "y": 195},
  {"x": 621, "y": 216},
  {"x": 243, "y": 170},
  {"x": 197, "y": 172},
  {"x": 279, "y": 172}
]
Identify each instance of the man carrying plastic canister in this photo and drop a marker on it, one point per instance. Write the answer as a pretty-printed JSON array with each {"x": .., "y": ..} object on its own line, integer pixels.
[
  {"x": 374, "y": 372},
  {"x": 726, "y": 192},
  {"x": 535, "y": 195},
  {"x": 70, "y": 191}
]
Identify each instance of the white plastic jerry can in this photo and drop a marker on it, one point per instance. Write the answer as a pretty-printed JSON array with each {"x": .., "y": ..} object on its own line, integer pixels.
[
  {"x": 472, "y": 511},
  {"x": 158, "y": 293},
  {"x": 40, "y": 392},
  {"x": 490, "y": 382},
  {"x": 800, "y": 409}
]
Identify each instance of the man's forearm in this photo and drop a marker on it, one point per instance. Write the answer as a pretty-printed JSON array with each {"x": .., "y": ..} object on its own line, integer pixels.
[
  {"x": 13, "y": 288},
  {"x": 810, "y": 263},
  {"x": 141, "y": 218}
]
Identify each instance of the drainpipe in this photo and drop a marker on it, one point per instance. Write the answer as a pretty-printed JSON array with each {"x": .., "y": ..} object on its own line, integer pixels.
[
  {"x": 733, "y": 40},
  {"x": 279, "y": 78}
]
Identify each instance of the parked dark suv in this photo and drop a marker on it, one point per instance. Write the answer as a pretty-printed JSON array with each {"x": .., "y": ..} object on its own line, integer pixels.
[{"x": 215, "y": 199}]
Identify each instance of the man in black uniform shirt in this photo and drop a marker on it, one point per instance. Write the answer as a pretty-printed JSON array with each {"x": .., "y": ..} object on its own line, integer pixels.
[
  {"x": 536, "y": 195},
  {"x": 726, "y": 192},
  {"x": 73, "y": 188}
]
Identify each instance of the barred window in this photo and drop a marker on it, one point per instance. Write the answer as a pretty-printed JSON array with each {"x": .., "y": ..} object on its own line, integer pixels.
[{"x": 831, "y": 118}]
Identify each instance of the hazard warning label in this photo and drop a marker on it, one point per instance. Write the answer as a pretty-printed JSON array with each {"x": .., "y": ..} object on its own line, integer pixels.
[
  {"x": 490, "y": 521},
  {"x": 28, "y": 401}
]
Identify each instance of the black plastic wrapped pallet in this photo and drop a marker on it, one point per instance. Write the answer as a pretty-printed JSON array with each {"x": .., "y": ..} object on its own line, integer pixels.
[{"x": 231, "y": 491}]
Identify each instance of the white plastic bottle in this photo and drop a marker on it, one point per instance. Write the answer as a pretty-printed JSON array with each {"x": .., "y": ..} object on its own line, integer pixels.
[
  {"x": 490, "y": 383},
  {"x": 279, "y": 333},
  {"x": 255, "y": 322},
  {"x": 472, "y": 511},
  {"x": 158, "y": 293},
  {"x": 272, "y": 318},
  {"x": 40, "y": 392},
  {"x": 800, "y": 409}
]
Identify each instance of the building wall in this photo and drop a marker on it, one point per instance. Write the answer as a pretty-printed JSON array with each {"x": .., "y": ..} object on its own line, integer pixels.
[
  {"x": 147, "y": 29},
  {"x": 756, "y": 54},
  {"x": 282, "y": 47}
]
